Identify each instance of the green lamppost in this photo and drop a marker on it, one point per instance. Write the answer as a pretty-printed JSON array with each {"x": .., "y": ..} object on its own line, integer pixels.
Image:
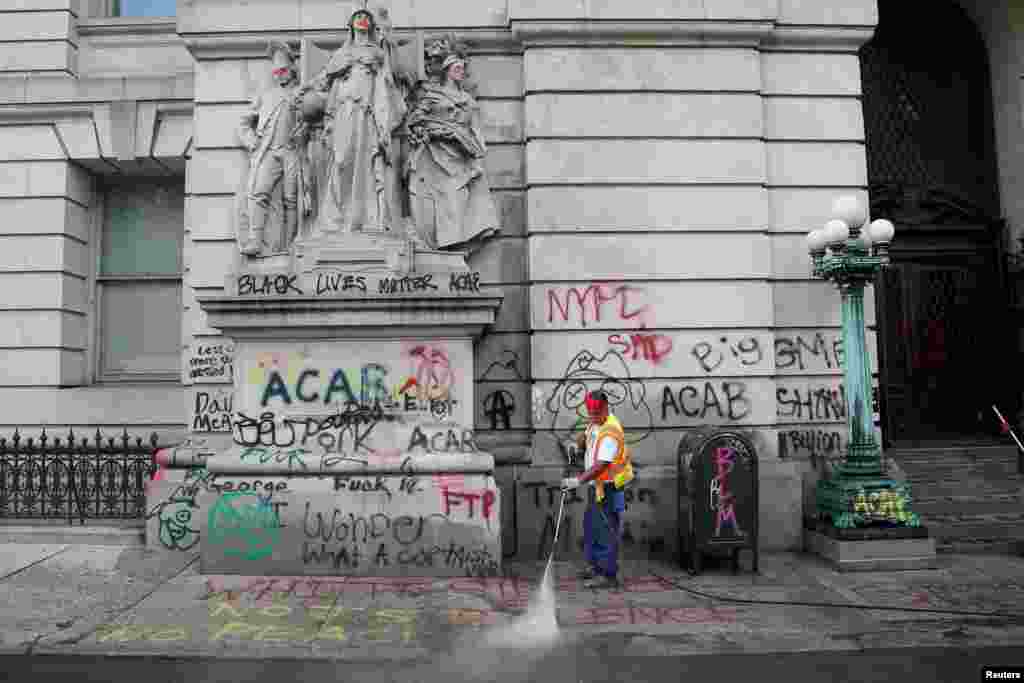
[{"x": 848, "y": 253}]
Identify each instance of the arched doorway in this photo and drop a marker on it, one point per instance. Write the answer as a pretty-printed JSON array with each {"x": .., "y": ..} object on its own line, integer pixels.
[{"x": 945, "y": 340}]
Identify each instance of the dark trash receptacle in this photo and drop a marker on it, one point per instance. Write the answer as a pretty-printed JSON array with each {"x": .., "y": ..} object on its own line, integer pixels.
[{"x": 718, "y": 496}]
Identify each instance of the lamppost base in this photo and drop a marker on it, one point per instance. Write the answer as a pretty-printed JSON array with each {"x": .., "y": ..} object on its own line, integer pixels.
[{"x": 848, "y": 501}]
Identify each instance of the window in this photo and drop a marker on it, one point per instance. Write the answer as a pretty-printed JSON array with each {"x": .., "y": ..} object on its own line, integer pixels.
[
  {"x": 143, "y": 8},
  {"x": 139, "y": 281}
]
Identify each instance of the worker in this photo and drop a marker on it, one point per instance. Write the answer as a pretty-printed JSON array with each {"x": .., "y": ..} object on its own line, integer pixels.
[{"x": 607, "y": 465}]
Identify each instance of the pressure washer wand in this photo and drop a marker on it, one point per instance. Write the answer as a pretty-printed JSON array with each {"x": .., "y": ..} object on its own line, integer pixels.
[
  {"x": 554, "y": 541},
  {"x": 1006, "y": 428}
]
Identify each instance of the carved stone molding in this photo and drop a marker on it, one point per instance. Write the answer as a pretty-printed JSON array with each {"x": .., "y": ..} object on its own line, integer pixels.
[{"x": 366, "y": 317}]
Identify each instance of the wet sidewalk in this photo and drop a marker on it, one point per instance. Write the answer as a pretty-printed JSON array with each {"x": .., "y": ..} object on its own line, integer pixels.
[{"x": 84, "y": 599}]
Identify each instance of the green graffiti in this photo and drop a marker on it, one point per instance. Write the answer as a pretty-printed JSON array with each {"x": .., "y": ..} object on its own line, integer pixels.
[{"x": 247, "y": 519}]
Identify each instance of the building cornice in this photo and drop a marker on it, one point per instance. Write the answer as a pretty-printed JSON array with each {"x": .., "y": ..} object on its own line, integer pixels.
[
  {"x": 42, "y": 114},
  {"x": 818, "y": 38},
  {"x": 590, "y": 33},
  {"x": 522, "y": 34},
  {"x": 127, "y": 27},
  {"x": 253, "y": 45},
  {"x": 360, "y": 317}
]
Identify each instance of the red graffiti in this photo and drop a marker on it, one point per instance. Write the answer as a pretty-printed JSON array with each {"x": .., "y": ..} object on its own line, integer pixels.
[
  {"x": 652, "y": 348},
  {"x": 459, "y": 498},
  {"x": 635, "y": 614},
  {"x": 590, "y": 304},
  {"x": 932, "y": 353}
]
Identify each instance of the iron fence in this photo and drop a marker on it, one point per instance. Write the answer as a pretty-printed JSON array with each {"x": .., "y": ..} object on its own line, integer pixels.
[{"x": 47, "y": 479}]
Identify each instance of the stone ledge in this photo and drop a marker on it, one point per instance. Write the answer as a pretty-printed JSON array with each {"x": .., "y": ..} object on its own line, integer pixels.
[
  {"x": 866, "y": 533},
  {"x": 874, "y": 555},
  {"x": 365, "y": 317}
]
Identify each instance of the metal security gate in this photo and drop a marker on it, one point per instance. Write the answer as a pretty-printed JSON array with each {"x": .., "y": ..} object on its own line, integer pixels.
[
  {"x": 51, "y": 479},
  {"x": 941, "y": 360},
  {"x": 945, "y": 335}
]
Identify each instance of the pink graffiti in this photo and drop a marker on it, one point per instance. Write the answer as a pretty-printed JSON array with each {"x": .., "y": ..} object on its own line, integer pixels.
[
  {"x": 652, "y": 348},
  {"x": 590, "y": 304},
  {"x": 722, "y": 500},
  {"x": 433, "y": 375}
]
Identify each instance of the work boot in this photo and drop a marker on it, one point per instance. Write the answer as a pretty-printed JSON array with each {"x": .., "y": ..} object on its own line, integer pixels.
[{"x": 602, "y": 582}]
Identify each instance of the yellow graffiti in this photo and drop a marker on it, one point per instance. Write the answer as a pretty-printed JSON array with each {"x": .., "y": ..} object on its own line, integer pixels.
[
  {"x": 128, "y": 632},
  {"x": 881, "y": 505}
]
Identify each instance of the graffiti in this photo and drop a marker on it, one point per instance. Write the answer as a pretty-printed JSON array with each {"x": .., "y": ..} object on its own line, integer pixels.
[
  {"x": 398, "y": 540},
  {"x": 797, "y": 352},
  {"x": 591, "y": 305},
  {"x": 433, "y": 374},
  {"x": 272, "y": 591},
  {"x": 363, "y": 485},
  {"x": 822, "y": 403},
  {"x": 254, "y": 485},
  {"x": 885, "y": 505},
  {"x": 722, "y": 501},
  {"x": 464, "y": 282},
  {"x": 448, "y": 441},
  {"x": 174, "y": 514},
  {"x": 251, "y": 432},
  {"x": 486, "y": 499},
  {"x": 474, "y": 562},
  {"x": 499, "y": 406},
  {"x": 538, "y": 511},
  {"x": 355, "y": 424},
  {"x": 211, "y": 411},
  {"x": 337, "y": 282},
  {"x": 610, "y": 373},
  {"x": 124, "y": 633},
  {"x": 812, "y": 443},
  {"x": 294, "y": 457},
  {"x": 747, "y": 350},
  {"x": 268, "y": 284},
  {"x": 406, "y": 285},
  {"x": 372, "y": 387},
  {"x": 652, "y": 348},
  {"x": 248, "y": 518},
  {"x": 726, "y": 401},
  {"x": 212, "y": 363},
  {"x": 508, "y": 362},
  {"x": 637, "y": 614},
  {"x": 930, "y": 353}
]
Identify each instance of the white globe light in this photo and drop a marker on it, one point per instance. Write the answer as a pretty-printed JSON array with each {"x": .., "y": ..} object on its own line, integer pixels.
[
  {"x": 849, "y": 209},
  {"x": 816, "y": 241},
  {"x": 836, "y": 231},
  {"x": 881, "y": 230},
  {"x": 864, "y": 238}
]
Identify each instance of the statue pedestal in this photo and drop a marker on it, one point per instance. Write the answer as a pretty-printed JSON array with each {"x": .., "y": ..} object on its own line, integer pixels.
[{"x": 353, "y": 448}]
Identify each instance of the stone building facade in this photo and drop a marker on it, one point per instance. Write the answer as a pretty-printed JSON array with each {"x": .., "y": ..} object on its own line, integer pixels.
[{"x": 655, "y": 164}]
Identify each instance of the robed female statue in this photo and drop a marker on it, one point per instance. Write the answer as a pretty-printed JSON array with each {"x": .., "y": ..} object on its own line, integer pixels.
[
  {"x": 450, "y": 198},
  {"x": 361, "y": 104}
]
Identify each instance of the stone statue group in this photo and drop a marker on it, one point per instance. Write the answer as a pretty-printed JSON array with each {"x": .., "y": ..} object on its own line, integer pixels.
[{"x": 366, "y": 146}]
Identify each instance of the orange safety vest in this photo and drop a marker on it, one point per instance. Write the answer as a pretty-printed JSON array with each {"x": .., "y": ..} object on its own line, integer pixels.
[{"x": 620, "y": 471}]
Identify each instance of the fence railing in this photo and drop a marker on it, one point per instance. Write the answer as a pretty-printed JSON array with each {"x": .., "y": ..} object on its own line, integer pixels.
[{"x": 51, "y": 479}]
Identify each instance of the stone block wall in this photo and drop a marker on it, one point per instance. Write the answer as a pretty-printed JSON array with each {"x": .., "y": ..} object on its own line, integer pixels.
[
  {"x": 655, "y": 165},
  {"x": 76, "y": 107}
]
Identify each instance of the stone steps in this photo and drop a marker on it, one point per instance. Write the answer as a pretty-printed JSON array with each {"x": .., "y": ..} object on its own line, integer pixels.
[{"x": 971, "y": 498}]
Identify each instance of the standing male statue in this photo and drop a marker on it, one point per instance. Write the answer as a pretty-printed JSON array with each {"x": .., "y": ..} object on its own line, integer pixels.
[{"x": 268, "y": 131}]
